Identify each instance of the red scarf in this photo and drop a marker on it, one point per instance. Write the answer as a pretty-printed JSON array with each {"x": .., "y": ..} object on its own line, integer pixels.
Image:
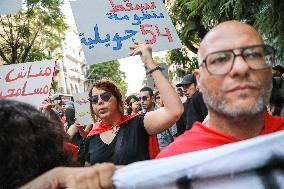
[{"x": 102, "y": 127}]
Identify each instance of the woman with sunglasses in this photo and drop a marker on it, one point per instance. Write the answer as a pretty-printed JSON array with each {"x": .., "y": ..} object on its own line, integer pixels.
[
  {"x": 158, "y": 99},
  {"x": 133, "y": 104},
  {"x": 123, "y": 139}
]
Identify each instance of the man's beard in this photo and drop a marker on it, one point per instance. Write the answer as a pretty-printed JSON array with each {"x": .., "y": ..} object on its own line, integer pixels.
[{"x": 220, "y": 105}]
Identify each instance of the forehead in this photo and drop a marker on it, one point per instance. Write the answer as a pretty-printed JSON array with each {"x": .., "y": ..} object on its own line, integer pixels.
[
  {"x": 230, "y": 35},
  {"x": 132, "y": 100},
  {"x": 144, "y": 93},
  {"x": 96, "y": 91}
]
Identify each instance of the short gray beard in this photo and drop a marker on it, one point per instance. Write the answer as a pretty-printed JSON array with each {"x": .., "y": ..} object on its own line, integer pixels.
[{"x": 221, "y": 106}]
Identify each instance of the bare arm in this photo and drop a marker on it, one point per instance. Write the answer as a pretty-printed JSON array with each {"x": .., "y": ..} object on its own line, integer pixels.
[
  {"x": 95, "y": 177},
  {"x": 84, "y": 131},
  {"x": 72, "y": 130},
  {"x": 163, "y": 118}
]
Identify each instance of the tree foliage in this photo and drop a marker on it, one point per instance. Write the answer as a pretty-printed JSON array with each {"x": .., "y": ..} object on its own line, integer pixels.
[
  {"x": 108, "y": 70},
  {"x": 194, "y": 18},
  {"x": 30, "y": 34}
]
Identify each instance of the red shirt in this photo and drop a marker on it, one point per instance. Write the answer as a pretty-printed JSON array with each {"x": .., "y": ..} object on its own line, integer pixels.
[{"x": 201, "y": 137}]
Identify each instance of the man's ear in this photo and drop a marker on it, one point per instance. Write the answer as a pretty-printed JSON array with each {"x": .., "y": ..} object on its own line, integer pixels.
[{"x": 196, "y": 73}]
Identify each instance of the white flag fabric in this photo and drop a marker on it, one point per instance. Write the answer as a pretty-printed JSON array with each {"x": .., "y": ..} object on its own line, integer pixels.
[{"x": 253, "y": 163}]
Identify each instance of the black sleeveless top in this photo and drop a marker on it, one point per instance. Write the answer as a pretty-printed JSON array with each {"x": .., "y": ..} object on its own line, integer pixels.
[{"x": 129, "y": 145}]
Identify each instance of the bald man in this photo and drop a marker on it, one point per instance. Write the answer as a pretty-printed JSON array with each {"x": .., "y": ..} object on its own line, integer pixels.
[{"x": 235, "y": 78}]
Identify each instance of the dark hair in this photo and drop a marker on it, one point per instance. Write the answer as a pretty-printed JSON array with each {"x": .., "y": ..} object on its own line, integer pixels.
[
  {"x": 70, "y": 116},
  {"x": 109, "y": 86},
  {"x": 276, "y": 99},
  {"x": 30, "y": 144},
  {"x": 179, "y": 89},
  {"x": 147, "y": 89},
  {"x": 156, "y": 94},
  {"x": 279, "y": 68},
  {"x": 128, "y": 99}
]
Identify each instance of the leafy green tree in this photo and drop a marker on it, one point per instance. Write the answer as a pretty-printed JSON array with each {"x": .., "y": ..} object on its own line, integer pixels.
[
  {"x": 30, "y": 34},
  {"x": 194, "y": 18},
  {"x": 108, "y": 70}
]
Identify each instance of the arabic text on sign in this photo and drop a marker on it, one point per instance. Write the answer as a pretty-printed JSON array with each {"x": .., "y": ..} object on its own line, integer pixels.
[
  {"x": 131, "y": 7},
  {"x": 12, "y": 76},
  {"x": 22, "y": 91},
  {"x": 136, "y": 18},
  {"x": 117, "y": 38}
]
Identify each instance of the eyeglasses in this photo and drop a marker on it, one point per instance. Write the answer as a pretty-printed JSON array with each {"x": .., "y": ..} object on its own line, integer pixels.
[
  {"x": 104, "y": 96},
  {"x": 256, "y": 56},
  {"x": 143, "y": 98}
]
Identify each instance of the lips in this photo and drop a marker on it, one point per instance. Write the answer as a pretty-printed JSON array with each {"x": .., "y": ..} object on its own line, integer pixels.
[
  {"x": 243, "y": 87},
  {"x": 102, "y": 110}
]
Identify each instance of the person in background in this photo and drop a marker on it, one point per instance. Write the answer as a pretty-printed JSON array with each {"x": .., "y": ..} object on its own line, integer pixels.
[
  {"x": 276, "y": 105},
  {"x": 181, "y": 95},
  {"x": 47, "y": 109},
  {"x": 166, "y": 137},
  {"x": 235, "y": 78},
  {"x": 277, "y": 71},
  {"x": 123, "y": 139},
  {"x": 158, "y": 100},
  {"x": 133, "y": 104},
  {"x": 147, "y": 100},
  {"x": 189, "y": 88}
]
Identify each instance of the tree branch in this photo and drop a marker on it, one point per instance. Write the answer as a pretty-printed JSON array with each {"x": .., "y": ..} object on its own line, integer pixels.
[
  {"x": 4, "y": 57},
  {"x": 29, "y": 46}
]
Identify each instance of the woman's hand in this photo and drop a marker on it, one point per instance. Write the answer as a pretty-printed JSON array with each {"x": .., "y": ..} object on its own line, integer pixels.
[{"x": 145, "y": 52}]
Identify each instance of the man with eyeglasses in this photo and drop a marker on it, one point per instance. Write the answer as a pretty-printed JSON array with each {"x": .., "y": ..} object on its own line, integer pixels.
[{"x": 235, "y": 78}]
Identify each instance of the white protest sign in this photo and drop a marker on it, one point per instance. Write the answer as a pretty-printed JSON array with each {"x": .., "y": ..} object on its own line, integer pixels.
[
  {"x": 107, "y": 28},
  {"x": 27, "y": 82},
  {"x": 229, "y": 166},
  {"x": 10, "y": 6},
  {"x": 82, "y": 108}
]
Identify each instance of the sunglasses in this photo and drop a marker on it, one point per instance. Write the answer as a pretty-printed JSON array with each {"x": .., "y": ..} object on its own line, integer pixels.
[
  {"x": 144, "y": 98},
  {"x": 158, "y": 97},
  {"x": 104, "y": 96}
]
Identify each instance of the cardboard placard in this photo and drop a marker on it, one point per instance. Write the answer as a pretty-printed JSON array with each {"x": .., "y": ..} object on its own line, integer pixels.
[
  {"x": 27, "y": 82},
  {"x": 82, "y": 109},
  {"x": 107, "y": 28}
]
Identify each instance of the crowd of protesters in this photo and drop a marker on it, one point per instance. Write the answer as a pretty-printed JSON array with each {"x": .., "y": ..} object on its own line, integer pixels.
[{"x": 227, "y": 100}]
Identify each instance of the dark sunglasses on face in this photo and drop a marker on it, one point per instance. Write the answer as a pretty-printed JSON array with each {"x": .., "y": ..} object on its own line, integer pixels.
[
  {"x": 104, "y": 96},
  {"x": 144, "y": 98}
]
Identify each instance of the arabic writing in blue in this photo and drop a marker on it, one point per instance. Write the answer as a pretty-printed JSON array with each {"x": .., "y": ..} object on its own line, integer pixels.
[{"x": 98, "y": 40}]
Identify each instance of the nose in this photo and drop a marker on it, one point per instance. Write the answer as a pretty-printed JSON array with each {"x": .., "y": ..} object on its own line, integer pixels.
[
  {"x": 240, "y": 66},
  {"x": 100, "y": 101}
]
